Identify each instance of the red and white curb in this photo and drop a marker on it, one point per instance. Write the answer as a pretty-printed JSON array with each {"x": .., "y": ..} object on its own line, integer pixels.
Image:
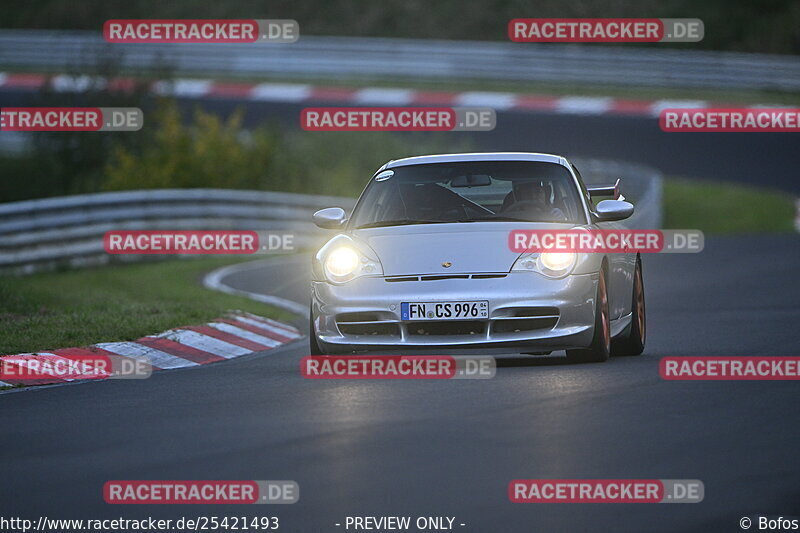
[
  {"x": 234, "y": 335},
  {"x": 363, "y": 96}
]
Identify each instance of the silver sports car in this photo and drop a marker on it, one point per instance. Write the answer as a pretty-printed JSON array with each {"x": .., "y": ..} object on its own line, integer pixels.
[{"x": 424, "y": 263}]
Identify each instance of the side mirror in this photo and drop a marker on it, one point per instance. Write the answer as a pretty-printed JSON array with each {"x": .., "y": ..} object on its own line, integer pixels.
[
  {"x": 610, "y": 210},
  {"x": 330, "y": 218}
]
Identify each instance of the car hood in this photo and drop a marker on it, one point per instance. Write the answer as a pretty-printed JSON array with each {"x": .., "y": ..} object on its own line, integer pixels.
[{"x": 468, "y": 246}]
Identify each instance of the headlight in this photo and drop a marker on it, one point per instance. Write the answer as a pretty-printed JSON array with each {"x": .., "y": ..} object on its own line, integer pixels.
[
  {"x": 550, "y": 264},
  {"x": 341, "y": 262},
  {"x": 557, "y": 261},
  {"x": 344, "y": 258}
]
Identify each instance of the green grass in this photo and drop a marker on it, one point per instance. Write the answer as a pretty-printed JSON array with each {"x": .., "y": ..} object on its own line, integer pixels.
[
  {"x": 113, "y": 303},
  {"x": 716, "y": 207}
]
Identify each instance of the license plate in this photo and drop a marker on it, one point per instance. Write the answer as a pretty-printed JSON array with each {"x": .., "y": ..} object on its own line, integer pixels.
[{"x": 444, "y": 310}]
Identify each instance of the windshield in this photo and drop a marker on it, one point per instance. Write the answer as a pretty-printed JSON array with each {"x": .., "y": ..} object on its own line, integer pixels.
[{"x": 529, "y": 191}]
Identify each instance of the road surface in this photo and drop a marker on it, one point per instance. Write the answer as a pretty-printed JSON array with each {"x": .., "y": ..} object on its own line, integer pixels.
[{"x": 449, "y": 448}]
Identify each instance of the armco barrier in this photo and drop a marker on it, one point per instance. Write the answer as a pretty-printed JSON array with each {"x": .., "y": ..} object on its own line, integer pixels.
[
  {"x": 44, "y": 234},
  {"x": 68, "y": 231},
  {"x": 376, "y": 58}
]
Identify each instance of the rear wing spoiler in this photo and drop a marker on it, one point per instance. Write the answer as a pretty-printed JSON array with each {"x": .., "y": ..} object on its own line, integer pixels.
[{"x": 605, "y": 190}]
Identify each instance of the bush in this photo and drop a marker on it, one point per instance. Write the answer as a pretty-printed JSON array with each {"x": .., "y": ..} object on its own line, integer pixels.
[
  {"x": 209, "y": 152},
  {"x": 213, "y": 152},
  {"x": 70, "y": 162},
  {"x": 339, "y": 163}
]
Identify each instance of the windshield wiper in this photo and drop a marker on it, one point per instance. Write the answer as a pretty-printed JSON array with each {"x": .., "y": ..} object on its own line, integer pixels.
[{"x": 398, "y": 222}]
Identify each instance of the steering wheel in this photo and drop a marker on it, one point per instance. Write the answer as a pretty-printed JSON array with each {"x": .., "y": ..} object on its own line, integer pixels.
[
  {"x": 550, "y": 212},
  {"x": 454, "y": 214},
  {"x": 521, "y": 206}
]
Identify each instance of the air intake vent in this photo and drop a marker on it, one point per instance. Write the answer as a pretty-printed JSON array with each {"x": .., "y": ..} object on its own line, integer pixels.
[
  {"x": 366, "y": 323},
  {"x": 528, "y": 312},
  {"x": 440, "y": 277},
  {"x": 518, "y": 325},
  {"x": 445, "y": 327},
  {"x": 445, "y": 276},
  {"x": 366, "y": 328},
  {"x": 520, "y": 319}
]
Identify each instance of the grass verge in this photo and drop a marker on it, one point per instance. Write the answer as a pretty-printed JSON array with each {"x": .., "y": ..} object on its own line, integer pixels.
[
  {"x": 113, "y": 303},
  {"x": 716, "y": 207}
]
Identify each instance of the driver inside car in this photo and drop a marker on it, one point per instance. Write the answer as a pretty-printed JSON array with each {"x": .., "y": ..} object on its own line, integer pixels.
[{"x": 530, "y": 197}]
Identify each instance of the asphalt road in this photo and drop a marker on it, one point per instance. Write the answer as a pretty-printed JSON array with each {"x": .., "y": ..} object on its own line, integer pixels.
[{"x": 449, "y": 448}]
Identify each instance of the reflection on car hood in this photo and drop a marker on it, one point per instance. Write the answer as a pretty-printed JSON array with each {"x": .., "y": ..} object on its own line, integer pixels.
[{"x": 470, "y": 247}]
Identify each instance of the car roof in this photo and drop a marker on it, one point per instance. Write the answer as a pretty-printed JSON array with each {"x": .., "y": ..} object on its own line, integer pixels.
[{"x": 477, "y": 156}]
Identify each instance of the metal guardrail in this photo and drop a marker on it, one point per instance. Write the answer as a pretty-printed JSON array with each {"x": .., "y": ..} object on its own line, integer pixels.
[
  {"x": 44, "y": 234},
  {"x": 359, "y": 57},
  {"x": 68, "y": 231}
]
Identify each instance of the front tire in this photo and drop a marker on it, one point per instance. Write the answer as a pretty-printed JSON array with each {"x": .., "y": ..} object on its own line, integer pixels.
[
  {"x": 600, "y": 349},
  {"x": 633, "y": 342}
]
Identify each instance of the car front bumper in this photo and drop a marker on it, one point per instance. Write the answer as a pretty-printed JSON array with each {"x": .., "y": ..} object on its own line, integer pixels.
[{"x": 527, "y": 311}]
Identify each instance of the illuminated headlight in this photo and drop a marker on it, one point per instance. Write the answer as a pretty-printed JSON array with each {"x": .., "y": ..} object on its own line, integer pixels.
[
  {"x": 557, "y": 262},
  {"x": 343, "y": 259},
  {"x": 341, "y": 262},
  {"x": 551, "y": 264}
]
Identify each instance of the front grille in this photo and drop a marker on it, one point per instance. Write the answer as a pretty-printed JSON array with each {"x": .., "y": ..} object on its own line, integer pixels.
[
  {"x": 527, "y": 312},
  {"x": 504, "y": 321},
  {"x": 439, "y": 277},
  {"x": 523, "y": 324},
  {"x": 444, "y": 276},
  {"x": 446, "y": 327},
  {"x": 377, "y": 328},
  {"x": 367, "y": 323},
  {"x": 521, "y": 319},
  {"x": 359, "y": 316}
]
